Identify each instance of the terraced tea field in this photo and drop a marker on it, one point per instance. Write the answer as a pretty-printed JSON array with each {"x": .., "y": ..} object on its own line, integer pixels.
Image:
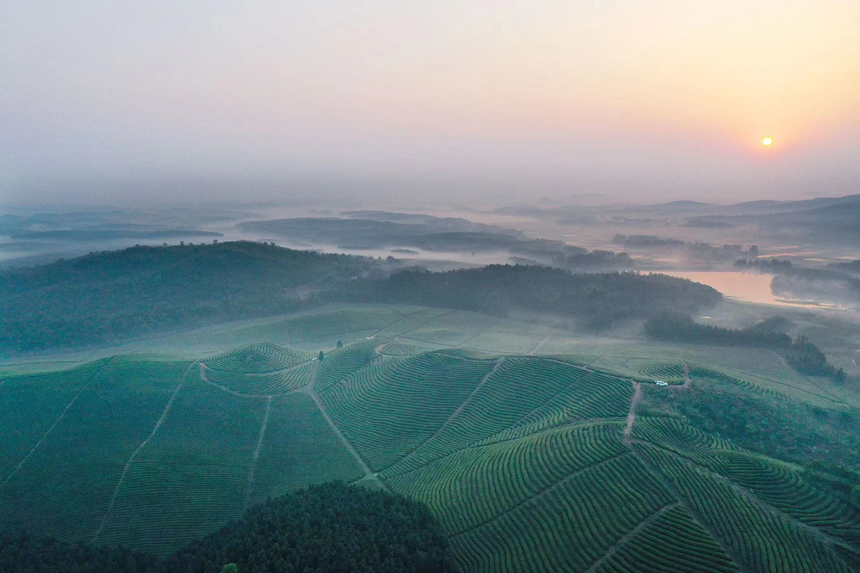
[{"x": 531, "y": 461}]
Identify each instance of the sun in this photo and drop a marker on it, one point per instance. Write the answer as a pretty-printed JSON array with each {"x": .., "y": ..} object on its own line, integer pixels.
[{"x": 767, "y": 141}]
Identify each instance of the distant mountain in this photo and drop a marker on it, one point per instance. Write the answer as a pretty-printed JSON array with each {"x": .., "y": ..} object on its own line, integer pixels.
[
  {"x": 95, "y": 235},
  {"x": 431, "y": 234},
  {"x": 430, "y": 221},
  {"x": 770, "y": 206},
  {"x": 826, "y": 220},
  {"x": 683, "y": 206}
]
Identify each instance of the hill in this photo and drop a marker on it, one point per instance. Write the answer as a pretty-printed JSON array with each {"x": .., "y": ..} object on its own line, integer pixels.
[
  {"x": 329, "y": 528},
  {"x": 824, "y": 220},
  {"x": 530, "y": 463},
  {"x": 380, "y": 229},
  {"x": 109, "y": 296},
  {"x": 598, "y": 299}
]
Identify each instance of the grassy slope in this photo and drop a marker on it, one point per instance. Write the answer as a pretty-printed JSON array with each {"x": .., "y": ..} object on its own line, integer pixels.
[{"x": 526, "y": 468}]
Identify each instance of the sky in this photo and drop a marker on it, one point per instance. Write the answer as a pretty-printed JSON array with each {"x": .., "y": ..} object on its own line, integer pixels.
[{"x": 486, "y": 100}]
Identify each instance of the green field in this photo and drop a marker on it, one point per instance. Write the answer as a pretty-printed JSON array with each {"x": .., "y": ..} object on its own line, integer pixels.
[{"x": 515, "y": 435}]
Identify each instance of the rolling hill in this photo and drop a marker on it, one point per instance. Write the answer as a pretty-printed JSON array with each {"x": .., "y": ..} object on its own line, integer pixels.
[
  {"x": 110, "y": 297},
  {"x": 530, "y": 461}
]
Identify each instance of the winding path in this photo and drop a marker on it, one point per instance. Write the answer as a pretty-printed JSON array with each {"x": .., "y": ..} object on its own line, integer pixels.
[
  {"x": 625, "y": 539},
  {"x": 257, "y": 453},
  {"x": 311, "y": 391},
  {"x": 57, "y": 421},
  {"x": 456, "y": 413},
  {"x": 137, "y": 451},
  {"x": 631, "y": 415},
  {"x": 542, "y": 342}
]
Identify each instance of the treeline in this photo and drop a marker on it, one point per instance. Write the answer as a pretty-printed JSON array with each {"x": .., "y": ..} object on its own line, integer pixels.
[
  {"x": 800, "y": 353},
  {"x": 807, "y": 358},
  {"x": 108, "y": 297},
  {"x": 330, "y": 528},
  {"x": 105, "y": 297},
  {"x": 850, "y": 267},
  {"x": 775, "y": 266},
  {"x": 675, "y": 327},
  {"x": 836, "y": 283},
  {"x": 835, "y": 272},
  {"x": 696, "y": 250},
  {"x": 599, "y": 300}
]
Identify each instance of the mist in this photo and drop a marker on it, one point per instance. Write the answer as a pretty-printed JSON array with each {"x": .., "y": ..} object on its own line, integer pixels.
[{"x": 114, "y": 104}]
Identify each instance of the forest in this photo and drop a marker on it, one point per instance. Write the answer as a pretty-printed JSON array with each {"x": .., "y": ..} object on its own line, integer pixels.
[
  {"x": 800, "y": 353},
  {"x": 328, "y": 528},
  {"x": 107, "y": 297},
  {"x": 677, "y": 327},
  {"x": 599, "y": 300}
]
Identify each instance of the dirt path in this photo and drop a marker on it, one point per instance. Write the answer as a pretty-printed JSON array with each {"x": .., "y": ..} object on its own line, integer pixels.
[
  {"x": 471, "y": 338},
  {"x": 256, "y": 456},
  {"x": 138, "y": 449},
  {"x": 542, "y": 342},
  {"x": 631, "y": 415},
  {"x": 368, "y": 473},
  {"x": 204, "y": 378},
  {"x": 658, "y": 475},
  {"x": 387, "y": 326},
  {"x": 539, "y": 495},
  {"x": 823, "y": 536},
  {"x": 453, "y": 415},
  {"x": 630, "y": 535},
  {"x": 54, "y": 425},
  {"x": 311, "y": 391},
  {"x": 831, "y": 396},
  {"x": 688, "y": 383}
]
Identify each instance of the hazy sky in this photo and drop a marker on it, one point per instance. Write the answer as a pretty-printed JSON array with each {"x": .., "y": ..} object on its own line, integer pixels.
[{"x": 643, "y": 99}]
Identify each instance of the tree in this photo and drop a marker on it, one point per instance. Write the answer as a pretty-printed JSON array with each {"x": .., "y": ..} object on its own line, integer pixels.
[
  {"x": 230, "y": 568},
  {"x": 321, "y": 356},
  {"x": 340, "y": 344}
]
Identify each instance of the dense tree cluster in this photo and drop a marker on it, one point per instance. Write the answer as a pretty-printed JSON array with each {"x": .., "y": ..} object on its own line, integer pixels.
[
  {"x": 800, "y": 353},
  {"x": 105, "y": 297},
  {"x": 600, "y": 300},
  {"x": 691, "y": 250},
  {"x": 850, "y": 266},
  {"x": 675, "y": 327},
  {"x": 593, "y": 260},
  {"x": 807, "y": 358},
  {"x": 765, "y": 265},
  {"x": 27, "y": 554},
  {"x": 330, "y": 528}
]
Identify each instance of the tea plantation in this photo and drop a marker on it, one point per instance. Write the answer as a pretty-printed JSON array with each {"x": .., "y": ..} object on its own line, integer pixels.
[{"x": 529, "y": 462}]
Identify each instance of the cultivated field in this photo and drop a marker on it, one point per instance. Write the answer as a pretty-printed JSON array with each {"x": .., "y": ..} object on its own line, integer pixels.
[{"x": 524, "y": 440}]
